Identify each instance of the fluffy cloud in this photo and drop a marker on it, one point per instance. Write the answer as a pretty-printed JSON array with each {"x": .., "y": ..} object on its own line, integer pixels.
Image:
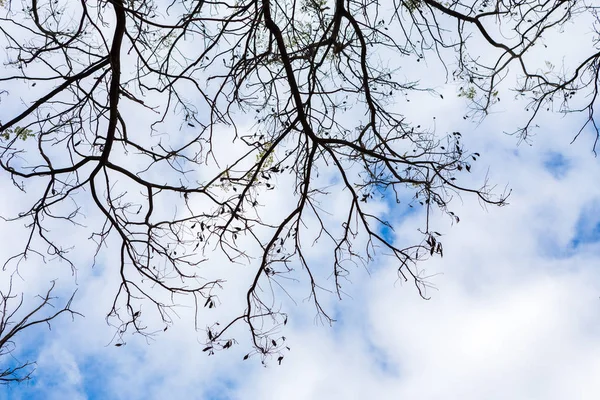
[{"x": 513, "y": 313}]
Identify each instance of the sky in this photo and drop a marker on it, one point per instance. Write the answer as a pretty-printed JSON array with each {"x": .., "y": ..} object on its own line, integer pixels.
[{"x": 514, "y": 312}]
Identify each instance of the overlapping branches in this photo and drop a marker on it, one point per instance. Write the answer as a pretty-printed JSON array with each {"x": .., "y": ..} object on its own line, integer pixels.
[
  {"x": 135, "y": 98},
  {"x": 14, "y": 320}
]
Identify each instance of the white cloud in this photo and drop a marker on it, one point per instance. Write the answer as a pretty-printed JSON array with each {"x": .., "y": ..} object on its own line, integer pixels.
[{"x": 510, "y": 319}]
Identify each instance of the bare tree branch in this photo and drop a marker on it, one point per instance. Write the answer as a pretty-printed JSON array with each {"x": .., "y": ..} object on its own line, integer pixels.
[
  {"x": 302, "y": 87},
  {"x": 13, "y": 323}
]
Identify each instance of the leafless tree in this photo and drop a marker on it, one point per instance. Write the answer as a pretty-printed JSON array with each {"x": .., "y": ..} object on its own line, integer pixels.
[
  {"x": 14, "y": 320},
  {"x": 96, "y": 88}
]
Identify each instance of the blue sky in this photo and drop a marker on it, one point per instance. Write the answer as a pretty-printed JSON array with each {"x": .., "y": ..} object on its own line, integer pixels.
[
  {"x": 557, "y": 164},
  {"x": 587, "y": 229},
  {"x": 496, "y": 294},
  {"x": 513, "y": 312}
]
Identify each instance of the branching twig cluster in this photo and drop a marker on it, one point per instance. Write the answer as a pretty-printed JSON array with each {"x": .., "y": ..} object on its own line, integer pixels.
[
  {"x": 14, "y": 320},
  {"x": 317, "y": 79}
]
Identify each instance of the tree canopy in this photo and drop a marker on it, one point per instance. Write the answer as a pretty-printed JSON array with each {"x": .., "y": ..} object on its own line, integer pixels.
[{"x": 158, "y": 127}]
